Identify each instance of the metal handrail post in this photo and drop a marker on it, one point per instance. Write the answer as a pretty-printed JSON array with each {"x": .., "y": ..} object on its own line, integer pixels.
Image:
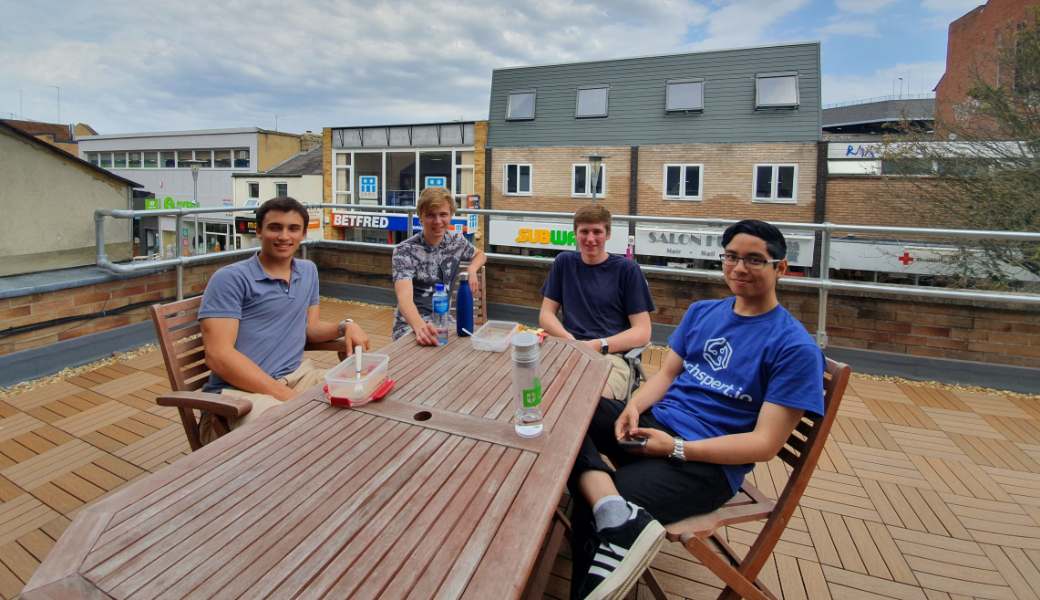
[
  {"x": 824, "y": 276},
  {"x": 177, "y": 254}
]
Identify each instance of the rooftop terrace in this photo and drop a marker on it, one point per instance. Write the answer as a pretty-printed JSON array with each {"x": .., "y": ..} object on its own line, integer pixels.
[{"x": 925, "y": 491}]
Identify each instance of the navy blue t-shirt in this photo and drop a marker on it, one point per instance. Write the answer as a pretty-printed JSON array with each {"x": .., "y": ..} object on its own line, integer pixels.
[
  {"x": 731, "y": 366},
  {"x": 597, "y": 299}
]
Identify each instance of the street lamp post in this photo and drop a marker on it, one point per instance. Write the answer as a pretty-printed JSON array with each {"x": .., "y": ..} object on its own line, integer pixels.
[
  {"x": 195, "y": 165},
  {"x": 595, "y": 163}
]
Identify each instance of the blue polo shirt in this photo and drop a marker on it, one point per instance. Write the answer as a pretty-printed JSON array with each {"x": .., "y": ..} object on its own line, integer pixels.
[{"x": 272, "y": 315}]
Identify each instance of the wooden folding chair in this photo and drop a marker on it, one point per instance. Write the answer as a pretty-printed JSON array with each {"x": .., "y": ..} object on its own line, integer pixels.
[
  {"x": 180, "y": 339},
  {"x": 801, "y": 452}
]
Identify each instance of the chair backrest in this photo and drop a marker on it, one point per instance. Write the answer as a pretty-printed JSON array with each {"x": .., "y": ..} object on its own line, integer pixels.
[
  {"x": 180, "y": 339},
  {"x": 801, "y": 452}
]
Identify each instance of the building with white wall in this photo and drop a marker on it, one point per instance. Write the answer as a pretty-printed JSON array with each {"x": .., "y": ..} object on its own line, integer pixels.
[
  {"x": 299, "y": 177},
  {"x": 159, "y": 162}
]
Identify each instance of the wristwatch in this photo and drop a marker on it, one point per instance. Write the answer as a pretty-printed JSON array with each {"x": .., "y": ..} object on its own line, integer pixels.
[
  {"x": 678, "y": 450},
  {"x": 342, "y": 330},
  {"x": 604, "y": 346}
]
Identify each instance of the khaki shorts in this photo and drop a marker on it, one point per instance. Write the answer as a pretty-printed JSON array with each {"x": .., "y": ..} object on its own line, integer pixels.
[
  {"x": 617, "y": 381},
  {"x": 302, "y": 378}
]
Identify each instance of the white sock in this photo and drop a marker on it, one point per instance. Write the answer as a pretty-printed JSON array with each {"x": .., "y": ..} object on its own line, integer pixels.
[{"x": 610, "y": 511}]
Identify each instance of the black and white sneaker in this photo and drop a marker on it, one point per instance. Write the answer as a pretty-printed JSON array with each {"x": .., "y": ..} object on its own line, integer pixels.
[{"x": 623, "y": 554}]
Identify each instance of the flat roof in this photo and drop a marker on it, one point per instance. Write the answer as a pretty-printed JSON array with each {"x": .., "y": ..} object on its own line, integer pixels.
[
  {"x": 149, "y": 134},
  {"x": 667, "y": 54}
]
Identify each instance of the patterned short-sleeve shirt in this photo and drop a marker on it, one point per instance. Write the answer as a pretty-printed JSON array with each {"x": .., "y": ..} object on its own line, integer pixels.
[{"x": 427, "y": 265}]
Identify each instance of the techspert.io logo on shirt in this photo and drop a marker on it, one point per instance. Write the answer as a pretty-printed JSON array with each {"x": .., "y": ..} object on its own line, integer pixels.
[{"x": 717, "y": 353}]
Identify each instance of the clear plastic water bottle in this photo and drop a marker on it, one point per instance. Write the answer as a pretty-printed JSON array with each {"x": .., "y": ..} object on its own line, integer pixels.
[
  {"x": 464, "y": 307},
  {"x": 440, "y": 313},
  {"x": 527, "y": 385}
]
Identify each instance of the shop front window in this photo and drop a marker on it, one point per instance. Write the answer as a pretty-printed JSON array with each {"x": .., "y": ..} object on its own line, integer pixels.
[
  {"x": 366, "y": 166},
  {"x": 400, "y": 178},
  {"x": 435, "y": 170}
]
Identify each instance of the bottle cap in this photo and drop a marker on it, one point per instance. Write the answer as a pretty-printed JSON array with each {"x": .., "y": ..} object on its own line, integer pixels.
[
  {"x": 438, "y": 287},
  {"x": 525, "y": 346},
  {"x": 464, "y": 276}
]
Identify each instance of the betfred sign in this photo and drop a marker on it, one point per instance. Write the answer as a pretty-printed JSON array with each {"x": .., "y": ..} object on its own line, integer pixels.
[{"x": 387, "y": 221}]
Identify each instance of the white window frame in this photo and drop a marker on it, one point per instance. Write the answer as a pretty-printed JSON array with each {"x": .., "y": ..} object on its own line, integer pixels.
[
  {"x": 278, "y": 183},
  {"x": 668, "y": 92},
  {"x": 775, "y": 182},
  {"x": 509, "y": 105},
  {"x": 505, "y": 179},
  {"x": 350, "y": 177},
  {"x": 588, "y": 181},
  {"x": 253, "y": 200},
  {"x": 606, "y": 101},
  {"x": 682, "y": 182},
  {"x": 797, "y": 94}
]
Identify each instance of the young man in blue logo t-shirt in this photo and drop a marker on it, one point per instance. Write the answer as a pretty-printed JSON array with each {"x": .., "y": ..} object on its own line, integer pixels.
[{"x": 737, "y": 378}]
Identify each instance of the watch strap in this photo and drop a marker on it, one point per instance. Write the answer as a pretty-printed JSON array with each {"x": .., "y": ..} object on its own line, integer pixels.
[
  {"x": 678, "y": 449},
  {"x": 342, "y": 329},
  {"x": 604, "y": 346}
]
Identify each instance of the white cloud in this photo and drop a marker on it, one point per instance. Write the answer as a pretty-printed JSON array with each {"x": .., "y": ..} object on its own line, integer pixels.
[
  {"x": 918, "y": 78},
  {"x": 154, "y": 66},
  {"x": 857, "y": 27},
  {"x": 862, "y": 6},
  {"x": 951, "y": 6},
  {"x": 748, "y": 23}
]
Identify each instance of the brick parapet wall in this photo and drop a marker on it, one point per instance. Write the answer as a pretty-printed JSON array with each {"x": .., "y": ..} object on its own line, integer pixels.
[
  {"x": 31, "y": 309},
  {"x": 966, "y": 330},
  {"x": 918, "y": 326}
]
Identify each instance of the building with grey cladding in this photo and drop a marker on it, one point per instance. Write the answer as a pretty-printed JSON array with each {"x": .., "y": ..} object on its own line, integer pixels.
[{"x": 728, "y": 133}]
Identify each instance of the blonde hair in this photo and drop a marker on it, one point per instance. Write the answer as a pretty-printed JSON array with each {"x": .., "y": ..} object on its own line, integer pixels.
[{"x": 433, "y": 197}]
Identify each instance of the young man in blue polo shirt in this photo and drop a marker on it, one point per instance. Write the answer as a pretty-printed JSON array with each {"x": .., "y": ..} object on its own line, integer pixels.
[
  {"x": 605, "y": 299},
  {"x": 258, "y": 314},
  {"x": 737, "y": 378}
]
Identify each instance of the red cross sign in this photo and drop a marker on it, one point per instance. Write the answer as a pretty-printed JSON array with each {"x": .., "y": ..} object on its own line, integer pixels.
[{"x": 906, "y": 259}]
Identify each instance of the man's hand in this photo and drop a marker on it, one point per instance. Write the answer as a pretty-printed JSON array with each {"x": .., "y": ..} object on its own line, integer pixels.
[
  {"x": 593, "y": 345},
  {"x": 658, "y": 442},
  {"x": 426, "y": 334},
  {"x": 627, "y": 421},
  {"x": 354, "y": 336}
]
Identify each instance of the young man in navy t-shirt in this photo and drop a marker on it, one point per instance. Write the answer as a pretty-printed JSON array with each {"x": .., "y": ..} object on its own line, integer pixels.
[
  {"x": 737, "y": 378},
  {"x": 605, "y": 299}
]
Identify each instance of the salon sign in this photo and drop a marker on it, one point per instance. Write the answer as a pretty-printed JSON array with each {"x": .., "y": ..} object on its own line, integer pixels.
[{"x": 704, "y": 244}]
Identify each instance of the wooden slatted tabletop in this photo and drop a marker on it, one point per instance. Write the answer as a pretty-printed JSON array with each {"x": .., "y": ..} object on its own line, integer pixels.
[{"x": 428, "y": 493}]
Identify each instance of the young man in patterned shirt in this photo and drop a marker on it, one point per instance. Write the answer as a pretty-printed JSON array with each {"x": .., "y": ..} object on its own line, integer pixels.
[{"x": 429, "y": 257}]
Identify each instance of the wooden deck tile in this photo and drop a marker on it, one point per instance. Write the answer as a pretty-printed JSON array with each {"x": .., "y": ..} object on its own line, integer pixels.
[
  {"x": 95, "y": 418},
  {"x": 21, "y": 515},
  {"x": 922, "y": 492},
  {"x": 125, "y": 384},
  {"x": 42, "y": 468}
]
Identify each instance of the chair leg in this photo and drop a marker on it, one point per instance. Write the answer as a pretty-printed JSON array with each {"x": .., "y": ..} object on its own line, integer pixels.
[
  {"x": 734, "y": 579},
  {"x": 655, "y": 586}
]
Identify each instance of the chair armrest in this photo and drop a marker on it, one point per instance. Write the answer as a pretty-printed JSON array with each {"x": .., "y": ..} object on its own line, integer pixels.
[
  {"x": 634, "y": 353},
  {"x": 217, "y": 404},
  {"x": 332, "y": 345},
  {"x": 337, "y": 345}
]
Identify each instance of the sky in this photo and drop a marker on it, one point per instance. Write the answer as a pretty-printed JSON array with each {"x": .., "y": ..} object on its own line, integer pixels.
[{"x": 297, "y": 65}]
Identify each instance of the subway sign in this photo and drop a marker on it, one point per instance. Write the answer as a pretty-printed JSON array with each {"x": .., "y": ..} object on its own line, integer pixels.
[{"x": 554, "y": 235}]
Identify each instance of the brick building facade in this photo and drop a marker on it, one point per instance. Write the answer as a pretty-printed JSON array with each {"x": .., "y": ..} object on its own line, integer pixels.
[{"x": 973, "y": 51}]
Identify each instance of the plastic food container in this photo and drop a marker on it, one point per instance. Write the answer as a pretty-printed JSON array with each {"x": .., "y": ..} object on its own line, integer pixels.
[
  {"x": 343, "y": 388},
  {"x": 494, "y": 336}
]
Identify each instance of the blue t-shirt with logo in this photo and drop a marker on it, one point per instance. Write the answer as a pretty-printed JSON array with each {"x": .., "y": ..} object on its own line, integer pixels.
[{"x": 731, "y": 365}]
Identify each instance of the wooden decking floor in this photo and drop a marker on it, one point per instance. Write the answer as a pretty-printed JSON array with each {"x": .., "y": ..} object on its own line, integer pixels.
[{"x": 924, "y": 492}]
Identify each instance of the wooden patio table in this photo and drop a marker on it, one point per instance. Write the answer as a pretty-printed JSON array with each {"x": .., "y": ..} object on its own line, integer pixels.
[{"x": 428, "y": 493}]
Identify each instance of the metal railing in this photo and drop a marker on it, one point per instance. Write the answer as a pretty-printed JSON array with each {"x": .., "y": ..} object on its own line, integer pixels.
[
  {"x": 921, "y": 96},
  {"x": 823, "y": 284}
]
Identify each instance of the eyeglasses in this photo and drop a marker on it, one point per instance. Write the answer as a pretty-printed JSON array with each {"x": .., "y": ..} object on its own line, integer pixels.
[{"x": 752, "y": 262}]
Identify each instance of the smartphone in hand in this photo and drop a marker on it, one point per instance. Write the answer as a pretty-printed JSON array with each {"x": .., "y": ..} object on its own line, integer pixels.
[{"x": 633, "y": 442}]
